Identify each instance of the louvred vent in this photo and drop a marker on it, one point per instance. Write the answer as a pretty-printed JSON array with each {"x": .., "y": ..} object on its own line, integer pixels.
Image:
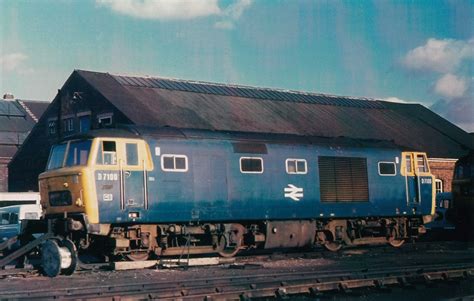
[{"x": 343, "y": 179}]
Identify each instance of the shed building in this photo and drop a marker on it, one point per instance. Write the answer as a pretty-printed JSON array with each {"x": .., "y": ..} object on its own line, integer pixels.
[
  {"x": 91, "y": 100},
  {"x": 17, "y": 118}
]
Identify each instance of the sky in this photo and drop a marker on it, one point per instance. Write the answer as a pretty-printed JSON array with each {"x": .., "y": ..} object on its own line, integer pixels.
[{"x": 404, "y": 51}]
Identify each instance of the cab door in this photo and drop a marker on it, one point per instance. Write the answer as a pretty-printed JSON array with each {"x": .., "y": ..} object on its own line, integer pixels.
[
  {"x": 418, "y": 178},
  {"x": 411, "y": 183},
  {"x": 133, "y": 177}
]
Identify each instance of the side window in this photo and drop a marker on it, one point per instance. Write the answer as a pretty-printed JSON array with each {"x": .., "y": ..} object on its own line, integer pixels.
[
  {"x": 132, "y": 153},
  {"x": 296, "y": 166},
  {"x": 174, "y": 163},
  {"x": 68, "y": 125},
  {"x": 439, "y": 185},
  {"x": 421, "y": 163},
  {"x": 251, "y": 165},
  {"x": 52, "y": 126},
  {"x": 104, "y": 120},
  {"x": 387, "y": 169},
  {"x": 409, "y": 164},
  {"x": 5, "y": 220},
  {"x": 13, "y": 218},
  {"x": 107, "y": 154}
]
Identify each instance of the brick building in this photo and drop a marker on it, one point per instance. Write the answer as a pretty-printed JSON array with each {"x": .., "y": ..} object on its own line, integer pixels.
[
  {"x": 17, "y": 118},
  {"x": 91, "y": 100}
]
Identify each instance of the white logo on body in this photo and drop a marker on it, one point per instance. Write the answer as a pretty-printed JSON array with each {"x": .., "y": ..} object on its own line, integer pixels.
[{"x": 293, "y": 192}]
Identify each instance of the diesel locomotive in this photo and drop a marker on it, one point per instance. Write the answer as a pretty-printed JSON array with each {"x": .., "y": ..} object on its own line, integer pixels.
[{"x": 140, "y": 192}]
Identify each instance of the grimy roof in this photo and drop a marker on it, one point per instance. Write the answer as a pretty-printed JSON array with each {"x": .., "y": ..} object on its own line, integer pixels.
[
  {"x": 16, "y": 121},
  {"x": 160, "y": 102}
]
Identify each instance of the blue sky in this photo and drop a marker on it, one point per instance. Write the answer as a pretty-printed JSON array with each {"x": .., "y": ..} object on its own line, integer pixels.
[{"x": 413, "y": 51}]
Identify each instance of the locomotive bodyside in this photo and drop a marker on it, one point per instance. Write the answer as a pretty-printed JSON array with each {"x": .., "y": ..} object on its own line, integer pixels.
[{"x": 159, "y": 193}]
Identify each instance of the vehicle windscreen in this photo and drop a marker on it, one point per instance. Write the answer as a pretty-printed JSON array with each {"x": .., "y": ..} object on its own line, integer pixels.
[
  {"x": 57, "y": 156},
  {"x": 78, "y": 152}
]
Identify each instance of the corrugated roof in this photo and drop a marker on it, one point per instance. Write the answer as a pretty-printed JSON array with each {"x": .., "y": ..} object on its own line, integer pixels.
[
  {"x": 245, "y": 91},
  {"x": 34, "y": 108},
  {"x": 16, "y": 121},
  {"x": 175, "y": 103}
]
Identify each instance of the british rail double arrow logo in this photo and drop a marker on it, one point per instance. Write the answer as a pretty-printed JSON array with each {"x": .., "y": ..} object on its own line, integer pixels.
[{"x": 293, "y": 192}]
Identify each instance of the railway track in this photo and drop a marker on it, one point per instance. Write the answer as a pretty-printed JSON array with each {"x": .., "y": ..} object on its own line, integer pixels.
[
  {"x": 258, "y": 284},
  {"x": 32, "y": 269},
  {"x": 257, "y": 275}
]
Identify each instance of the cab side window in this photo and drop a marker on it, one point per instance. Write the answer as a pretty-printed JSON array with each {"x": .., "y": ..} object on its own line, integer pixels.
[
  {"x": 421, "y": 163},
  {"x": 132, "y": 153},
  {"x": 107, "y": 154},
  {"x": 409, "y": 168}
]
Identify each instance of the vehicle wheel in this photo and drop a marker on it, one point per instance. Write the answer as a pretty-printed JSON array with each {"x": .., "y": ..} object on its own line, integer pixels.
[
  {"x": 230, "y": 242},
  {"x": 396, "y": 243},
  {"x": 58, "y": 256},
  {"x": 67, "y": 243},
  {"x": 227, "y": 251},
  {"x": 395, "y": 240},
  {"x": 137, "y": 256},
  {"x": 333, "y": 246}
]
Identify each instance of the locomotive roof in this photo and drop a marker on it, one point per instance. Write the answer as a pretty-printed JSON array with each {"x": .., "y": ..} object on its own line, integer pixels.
[
  {"x": 162, "y": 102},
  {"x": 157, "y": 133}
]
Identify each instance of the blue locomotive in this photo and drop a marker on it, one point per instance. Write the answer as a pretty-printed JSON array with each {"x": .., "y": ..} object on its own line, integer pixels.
[{"x": 140, "y": 192}]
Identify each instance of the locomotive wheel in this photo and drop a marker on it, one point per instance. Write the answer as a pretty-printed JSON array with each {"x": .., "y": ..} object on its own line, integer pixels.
[
  {"x": 396, "y": 243},
  {"x": 333, "y": 246},
  {"x": 69, "y": 245},
  {"x": 227, "y": 251},
  {"x": 394, "y": 239},
  {"x": 58, "y": 257},
  {"x": 137, "y": 256},
  {"x": 230, "y": 242}
]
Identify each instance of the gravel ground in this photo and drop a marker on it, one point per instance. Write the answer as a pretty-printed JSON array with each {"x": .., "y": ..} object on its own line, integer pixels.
[{"x": 355, "y": 258}]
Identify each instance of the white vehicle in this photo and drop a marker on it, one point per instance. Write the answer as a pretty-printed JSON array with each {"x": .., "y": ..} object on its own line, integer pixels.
[
  {"x": 18, "y": 198},
  {"x": 11, "y": 218}
]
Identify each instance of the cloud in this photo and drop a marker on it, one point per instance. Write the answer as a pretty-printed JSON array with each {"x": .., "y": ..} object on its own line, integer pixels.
[
  {"x": 459, "y": 111},
  {"x": 224, "y": 25},
  {"x": 232, "y": 13},
  {"x": 13, "y": 61},
  {"x": 451, "y": 86},
  {"x": 441, "y": 56},
  {"x": 164, "y": 9}
]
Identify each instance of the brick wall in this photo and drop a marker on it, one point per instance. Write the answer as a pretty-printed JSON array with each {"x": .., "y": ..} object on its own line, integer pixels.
[
  {"x": 4, "y": 174},
  {"x": 444, "y": 171}
]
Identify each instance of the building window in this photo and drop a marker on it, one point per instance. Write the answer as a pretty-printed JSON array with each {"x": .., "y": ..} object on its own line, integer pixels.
[
  {"x": 387, "y": 169},
  {"x": 174, "y": 163},
  {"x": 84, "y": 123},
  {"x": 343, "y": 179},
  {"x": 251, "y": 165},
  {"x": 68, "y": 125},
  {"x": 52, "y": 127},
  {"x": 104, "y": 120},
  {"x": 296, "y": 166},
  {"x": 439, "y": 185}
]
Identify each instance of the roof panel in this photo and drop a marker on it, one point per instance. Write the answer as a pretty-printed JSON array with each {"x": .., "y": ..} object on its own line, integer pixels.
[
  {"x": 260, "y": 112},
  {"x": 9, "y": 108}
]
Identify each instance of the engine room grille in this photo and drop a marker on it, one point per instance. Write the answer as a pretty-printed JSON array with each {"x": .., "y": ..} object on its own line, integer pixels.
[{"x": 343, "y": 179}]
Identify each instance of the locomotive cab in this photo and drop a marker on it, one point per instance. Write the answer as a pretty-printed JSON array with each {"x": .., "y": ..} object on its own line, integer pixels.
[
  {"x": 88, "y": 176},
  {"x": 419, "y": 182}
]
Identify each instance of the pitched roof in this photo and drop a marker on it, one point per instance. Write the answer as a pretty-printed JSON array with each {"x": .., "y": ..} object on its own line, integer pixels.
[
  {"x": 153, "y": 101},
  {"x": 34, "y": 108},
  {"x": 16, "y": 121}
]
